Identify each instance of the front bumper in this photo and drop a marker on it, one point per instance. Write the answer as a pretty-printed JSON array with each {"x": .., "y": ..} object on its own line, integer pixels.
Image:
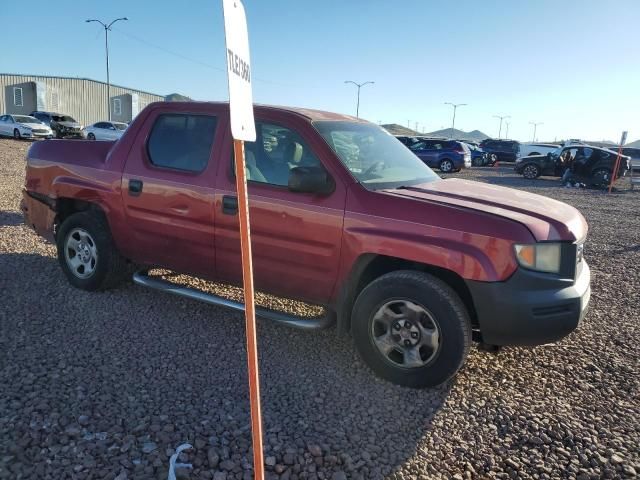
[
  {"x": 530, "y": 308},
  {"x": 33, "y": 134}
]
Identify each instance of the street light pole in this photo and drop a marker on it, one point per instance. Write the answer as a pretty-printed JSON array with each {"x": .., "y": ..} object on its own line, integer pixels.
[
  {"x": 506, "y": 135},
  {"x": 535, "y": 128},
  {"x": 359, "y": 85},
  {"x": 501, "y": 118},
  {"x": 455, "y": 107},
  {"x": 106, "y": 49}
]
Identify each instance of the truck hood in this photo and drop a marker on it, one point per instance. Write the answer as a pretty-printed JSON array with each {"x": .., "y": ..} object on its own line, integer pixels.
[{"x": 546, "y": 219}]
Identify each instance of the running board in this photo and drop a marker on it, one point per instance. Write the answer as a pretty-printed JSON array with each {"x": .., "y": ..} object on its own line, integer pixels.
[{"x": 317, "y": 323}]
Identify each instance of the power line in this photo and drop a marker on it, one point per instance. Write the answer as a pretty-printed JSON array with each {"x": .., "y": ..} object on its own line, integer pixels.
[{"x": 185, "y": 57}]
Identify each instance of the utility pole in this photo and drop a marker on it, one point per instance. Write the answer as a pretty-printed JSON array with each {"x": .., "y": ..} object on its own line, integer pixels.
[
  {"x": 535, "y": 127},
  {"x": 455, "y": 107},
  {"x": 501, "y": 117},
  {"x": 359, "y": 85},
  {"x": 416, "y": 129},
  {"x": 506, "y": 135},
  {"x": 106, "y": 49}
]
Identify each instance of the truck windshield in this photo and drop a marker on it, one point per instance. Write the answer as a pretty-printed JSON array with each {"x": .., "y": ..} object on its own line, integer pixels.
[{"x": 374, "y": 157}]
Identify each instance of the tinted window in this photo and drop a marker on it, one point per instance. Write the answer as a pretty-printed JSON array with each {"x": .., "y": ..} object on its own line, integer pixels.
[
  {"x": 275, "y": 152},
  {"x": 101, "y": 125},
  {"x": 181, "y": 141}
]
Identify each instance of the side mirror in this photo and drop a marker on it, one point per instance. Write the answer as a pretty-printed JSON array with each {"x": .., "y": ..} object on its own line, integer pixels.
[{"x": 310, "y": 180}]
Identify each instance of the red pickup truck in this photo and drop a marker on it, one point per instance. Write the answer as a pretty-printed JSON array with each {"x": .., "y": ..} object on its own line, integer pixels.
[{"x": 342, "y": 215}]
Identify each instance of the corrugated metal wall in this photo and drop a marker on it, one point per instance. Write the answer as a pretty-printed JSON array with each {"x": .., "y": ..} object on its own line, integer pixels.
[{"x": 85, "y": 100}]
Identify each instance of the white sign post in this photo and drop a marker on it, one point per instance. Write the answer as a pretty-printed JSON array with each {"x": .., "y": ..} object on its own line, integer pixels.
[{"x": 243, "y": 129}]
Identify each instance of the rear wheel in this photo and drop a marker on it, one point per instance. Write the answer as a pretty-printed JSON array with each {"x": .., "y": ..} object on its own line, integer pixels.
[
  {"x": 446, "y": 165},
  {"x": 477, "y": 162},
  {"x": 601, "y": 177},
  {"x": 87, "y": 254},
  {"x": 91, "y": 136},
  {"x": 531, "y": 171},
  {"x": 411, "y": 328},
  {"x": 16, "y": 134}
]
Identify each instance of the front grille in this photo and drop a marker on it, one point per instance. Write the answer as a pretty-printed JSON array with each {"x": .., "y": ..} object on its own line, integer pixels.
[{"x": 39, "y": 130}]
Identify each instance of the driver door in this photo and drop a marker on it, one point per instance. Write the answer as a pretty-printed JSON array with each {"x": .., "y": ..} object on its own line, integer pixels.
[{"x": 295, "y": 237}]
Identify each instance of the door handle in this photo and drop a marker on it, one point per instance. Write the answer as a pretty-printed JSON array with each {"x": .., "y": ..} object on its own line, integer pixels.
[
  {"x": 229, "y": 204},
  {"x": 135, "y": 187}
]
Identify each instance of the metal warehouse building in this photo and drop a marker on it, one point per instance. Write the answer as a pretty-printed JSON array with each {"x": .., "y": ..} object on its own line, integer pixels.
[{"x": 82, "y": 98}]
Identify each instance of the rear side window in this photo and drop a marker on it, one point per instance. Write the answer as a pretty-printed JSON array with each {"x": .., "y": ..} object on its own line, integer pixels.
[{"x": 182, "y": 141}]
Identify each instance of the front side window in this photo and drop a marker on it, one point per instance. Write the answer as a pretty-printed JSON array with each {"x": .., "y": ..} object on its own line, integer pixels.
[
  {"x": 373, "y": 156},
  {"x": 181, "y": 141},
  {"x": 275, "y": 152}
]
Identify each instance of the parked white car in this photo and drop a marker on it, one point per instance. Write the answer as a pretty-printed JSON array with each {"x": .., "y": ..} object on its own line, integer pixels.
[
  {"x": 105, "y": 131},
  {"x": 23, "y": 126},
  {"x": 529, "y": 149}
]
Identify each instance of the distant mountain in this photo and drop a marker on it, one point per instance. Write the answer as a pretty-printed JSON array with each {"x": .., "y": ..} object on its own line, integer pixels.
[
  {"x": 474, "y": 136},
  {"x": 635, "y": 144},
  {"x": 395, "y": 129}
]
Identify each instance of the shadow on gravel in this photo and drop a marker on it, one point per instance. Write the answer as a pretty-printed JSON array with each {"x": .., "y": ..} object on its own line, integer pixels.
[
  {"x": 119, "y": 378},
  {"x": 11, "y": 219}
]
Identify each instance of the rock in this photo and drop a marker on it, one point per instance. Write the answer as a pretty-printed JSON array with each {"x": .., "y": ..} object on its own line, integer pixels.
[
  {"x": 227, "y": 465},
  {"x": 220, "y": 476},
  {"x": 270, "y": 461},
  {"x": 629, "y": 470},
  {"x": 315, "y": 450},
  {"x": 149, "y": 447},
  {"x": 83, "y": 420},
  {"x": 616, "y": 459},
  {"x": 339, "y": 475},
  {"x": 212, "y": 457}
]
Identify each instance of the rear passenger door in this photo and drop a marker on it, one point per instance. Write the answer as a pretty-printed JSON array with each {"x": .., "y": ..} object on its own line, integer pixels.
[
  {"x": 427, "y": 153},
  {"x": 168, "y": 190}
]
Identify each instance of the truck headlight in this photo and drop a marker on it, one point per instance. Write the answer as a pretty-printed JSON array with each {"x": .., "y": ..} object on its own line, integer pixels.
[{"x": 543, "y": 257}]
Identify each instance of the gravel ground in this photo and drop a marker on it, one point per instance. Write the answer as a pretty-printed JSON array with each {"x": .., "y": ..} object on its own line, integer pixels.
[{"x": 107, "y": 385}]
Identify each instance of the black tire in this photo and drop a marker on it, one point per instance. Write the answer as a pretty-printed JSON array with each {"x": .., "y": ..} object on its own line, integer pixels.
[
  {"x": 91, "y": 136},
  {"x": 16, "y": 134},
  {"x": 58, "y": 134},
  {"x": 531, "y": 171},
  {"x": 477, "y": 162},
  {"x": 446, "y": 166},
  {"x": 446, "y": 310},
  {"x": 601, "y": 177},
  {"x": 110, "y": 268}
]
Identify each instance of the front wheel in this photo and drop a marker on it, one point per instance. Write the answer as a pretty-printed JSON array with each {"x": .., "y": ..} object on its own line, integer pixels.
[
  {"x": 87, "y": 254},
  {"x": 477, "y": 161},
  {"x": 446, "y": 165},
  {"x": 531, "y": 171},
  {"x": 411, "y": 328},
  {"x": 16, "y": 134},
  {"x": 91, "y": 136}
]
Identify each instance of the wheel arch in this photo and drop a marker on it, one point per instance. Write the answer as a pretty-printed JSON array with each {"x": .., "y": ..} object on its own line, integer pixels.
[
  {"x": 65, "y": 207},
  {"x": 370, "y": 266}
]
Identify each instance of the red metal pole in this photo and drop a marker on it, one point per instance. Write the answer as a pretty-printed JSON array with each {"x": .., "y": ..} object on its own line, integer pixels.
[
  {"x": 250, "y": 313},
  {"x": 615, "y": 168}
]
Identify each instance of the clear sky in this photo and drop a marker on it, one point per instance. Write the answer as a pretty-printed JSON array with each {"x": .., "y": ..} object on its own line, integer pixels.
[{"x": 574, "y": 64}]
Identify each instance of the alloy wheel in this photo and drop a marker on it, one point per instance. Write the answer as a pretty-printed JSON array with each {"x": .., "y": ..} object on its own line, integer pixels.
[{"x": 406, "y": 334}]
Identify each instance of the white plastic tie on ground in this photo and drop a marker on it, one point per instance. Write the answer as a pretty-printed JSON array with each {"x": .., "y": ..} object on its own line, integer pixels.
[{"x": 172, "y": 461}]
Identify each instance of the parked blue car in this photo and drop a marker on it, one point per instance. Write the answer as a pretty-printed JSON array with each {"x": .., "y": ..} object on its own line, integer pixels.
[{"x": 446, "y": 155}]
